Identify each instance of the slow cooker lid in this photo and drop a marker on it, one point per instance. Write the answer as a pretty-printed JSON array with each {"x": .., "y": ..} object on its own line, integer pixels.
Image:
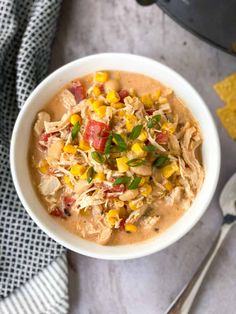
[{"x": 213, "y": 21}]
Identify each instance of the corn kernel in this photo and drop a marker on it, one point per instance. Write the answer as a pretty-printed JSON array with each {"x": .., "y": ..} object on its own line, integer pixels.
[
  {"x": 168, "y": 186},
  {"x": 112, "y": 96},
  {"x": 83, "y": 145},
  {"x": 122, "y": 212},
  {"x": 99, "y": 177},
  {"x": 137, "y": 148},
  {"x": 169, "y": 170},
  {"x": 118, "y": 203},
  {"x": 169, "y": 127},
  {"x": 77, "y": 170},
  {"x": 130, "y": 228},
  {"x": 121, "y": 113},
  {"x": 101, "y": 111},
  {"x": 101, "y": 77},
  {"x": 143, "y": 180},
  {"x": 129, "y": 126},
  {"x": 90, "y": 101},
  {"x": 84, "y": 175},
  {"x": 146, "y": 190},
  {"x": 85, "y": 212},
  {"x": 71, "y": 149},
  {"x": 143, "y": 136},
  {"x": 122, "y": 164},
  {"x": 97, "y": 104},
  {"x": 156, "y": 95},
  {"x": 131, "y": 120},
  {"x": 117, "y": 105},
  {"x": 75, "y": 118},
  {"x": 68, "y": 182},
  {"x": 162, "y": 100},
  {"x": 43, "y": 166},
  {"x": 133, "y": 205},
  {"x": 113, "y": 217},
  {"x": 96, "y": 91},
  {"x": 147, "y": 101}
]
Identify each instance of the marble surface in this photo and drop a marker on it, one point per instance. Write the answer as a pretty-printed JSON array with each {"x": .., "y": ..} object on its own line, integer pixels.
[{"x": 148, "y": 285}]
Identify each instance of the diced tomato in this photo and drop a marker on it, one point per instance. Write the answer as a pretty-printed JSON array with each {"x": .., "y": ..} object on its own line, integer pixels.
[
  {"x": 45, "y": 136},
  {"x": 122, "y": 224},
  {"x": 43, "y": 140},
  {"x": 102, "y": 89},
  {"x": 123, "y": 93},
  {"x": 117, "y": 188},
  {"x": 77, "y": 89},
  {"x": 96, "y": 133},
  {"x": 150, "y": 111},
  {"x": 111, "y": 191},
  {"x": 115, "y": 191},
  {"x": 68, "y": 201},
  {"x": 69, "y": 127},
  {"x": 57, "y": 212},
  {"x": 162, "y": 138}
]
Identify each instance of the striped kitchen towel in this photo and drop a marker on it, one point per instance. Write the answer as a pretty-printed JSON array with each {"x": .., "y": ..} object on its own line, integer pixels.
[{"x": 33, "y": 268}]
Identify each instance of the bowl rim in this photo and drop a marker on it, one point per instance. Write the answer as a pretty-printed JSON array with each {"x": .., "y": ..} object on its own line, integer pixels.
[{"x": 112, "y": 256}]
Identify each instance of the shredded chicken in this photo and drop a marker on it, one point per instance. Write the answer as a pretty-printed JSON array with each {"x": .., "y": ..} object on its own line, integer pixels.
[
  {"x": 55, "y": 148},
  {"x": 49, "y": 185},
  {"x": 96, "y": 230},
  {"x": 67, "y": 99},
  {"x": 174, "y": 145},
  {"x": 149, "y": 222},
  {"x": 39, "y": 124},
  {"x": 52, "y": 127}
]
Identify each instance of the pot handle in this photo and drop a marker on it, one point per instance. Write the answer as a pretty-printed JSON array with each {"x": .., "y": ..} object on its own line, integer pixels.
[{"x": 146, "y": 2}]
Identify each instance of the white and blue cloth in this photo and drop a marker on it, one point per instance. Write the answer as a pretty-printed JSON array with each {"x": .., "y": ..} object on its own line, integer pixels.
[{"x": 33, "y": 268}]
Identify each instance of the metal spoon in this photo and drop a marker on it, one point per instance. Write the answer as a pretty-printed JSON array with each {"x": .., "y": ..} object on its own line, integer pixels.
[{"x": 183, "y": 302}]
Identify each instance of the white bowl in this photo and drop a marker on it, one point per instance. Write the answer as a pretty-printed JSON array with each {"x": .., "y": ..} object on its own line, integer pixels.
[{"x": 48, "y": 88}]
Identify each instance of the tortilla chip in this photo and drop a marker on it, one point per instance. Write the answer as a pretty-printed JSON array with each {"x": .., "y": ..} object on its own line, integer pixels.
[
  {"x": 232, "y": 104},
  {"x": 226, "y": 89},
  {"x": 227, "y": 115}
]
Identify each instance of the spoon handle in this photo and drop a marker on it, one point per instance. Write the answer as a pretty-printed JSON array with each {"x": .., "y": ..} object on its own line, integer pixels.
[{"x": 184, "y": 301}]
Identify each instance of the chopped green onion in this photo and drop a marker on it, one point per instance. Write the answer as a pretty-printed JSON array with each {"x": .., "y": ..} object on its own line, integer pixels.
[
  {"x": 153, "y": 121},
  {"x": 75, "y": 130},
  {"x": 160, "y": 161},
  {"x": 135, "y": 183},
  {"x": 115, "y": 149},
  {"x": 107, "y": 149},
  {"x": 98, "y": 157},
  {"x": 120, "y": 142},
  {"x": 90, "y": 174},
  {"x": 135, "y": 132},
  {"x": 149, "y": 148},
  {"x": 135, "y": 162},
  {"x": 121, "y": 180}
]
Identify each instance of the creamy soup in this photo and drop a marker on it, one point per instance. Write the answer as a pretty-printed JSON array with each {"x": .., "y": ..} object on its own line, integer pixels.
[{"x": 115, "y": 157}]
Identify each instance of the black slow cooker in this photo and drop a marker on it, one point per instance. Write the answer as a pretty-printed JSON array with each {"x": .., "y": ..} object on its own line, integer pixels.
[{"x": 212, "y": 20}]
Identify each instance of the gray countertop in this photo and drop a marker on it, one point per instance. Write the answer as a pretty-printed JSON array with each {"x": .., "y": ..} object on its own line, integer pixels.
[{"x": 149, "y": 284}]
